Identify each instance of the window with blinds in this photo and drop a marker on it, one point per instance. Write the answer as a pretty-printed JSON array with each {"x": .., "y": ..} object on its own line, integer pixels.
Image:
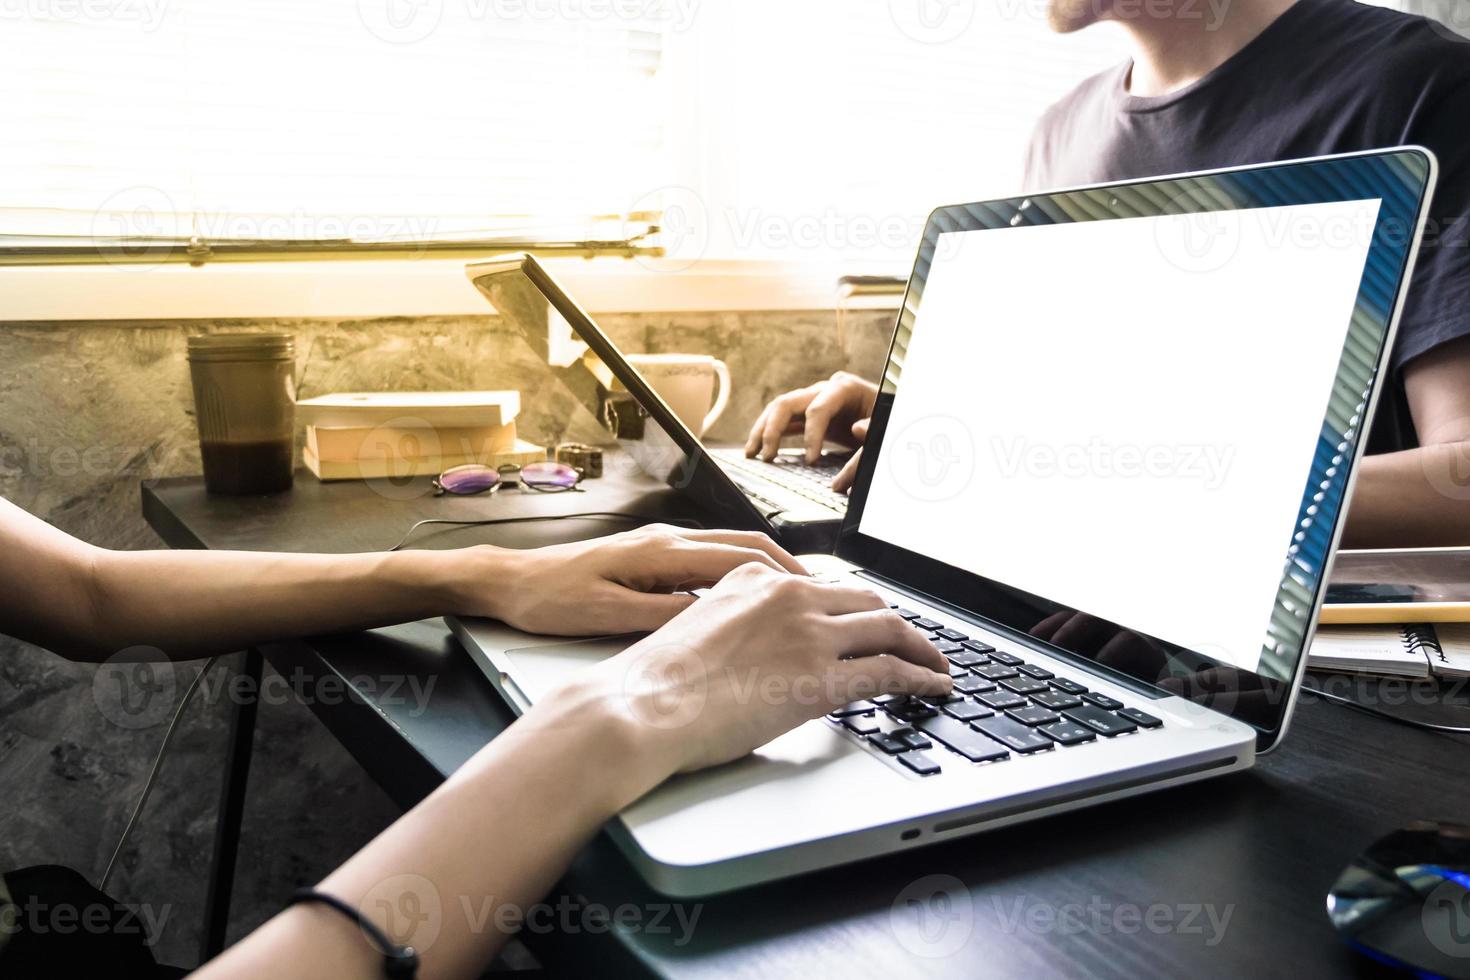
[
  {"x": 758, "y": 128},
  {"x": 844, "y": 123},
  {"x": 327, "y": 120}
]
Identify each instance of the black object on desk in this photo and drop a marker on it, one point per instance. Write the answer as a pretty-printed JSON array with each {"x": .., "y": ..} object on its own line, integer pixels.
[{"x": 1220, "y": 878}]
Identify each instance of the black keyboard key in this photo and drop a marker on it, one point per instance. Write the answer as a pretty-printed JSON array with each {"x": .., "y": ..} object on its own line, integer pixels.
[
  {"x": 1014, "y": 735},
  {"x": 947, "y": 647},
  {"x": 1040, "y": 673},
  {"x": 861, "y": 724},
  {"x": 940, "y": 700},
  {"x": 910, "y": 710},
  {"x": 1140, "y": 718},
  {"x": 920, "y": 762},
  {"x": 1066, "y": 686},
  {"x": 957, "y": 671},
  {"x": 995, "y": 672},
  {"x": 916, "y": 740},
  {"x": 955, "y": 635},
  {"x": 973, "y": 685},
  {"x": 888, "y": 743},
  {"x": 1103, "y": 701},
  {"x": 968, "y": 658},
  {"x": 965, "y": 711},
  {"x": 1068, "y": 732},
  {"x": 1009, "y": 659},
  {"x": 853, "y": 708},
  {"x": 908, "y": 614},
  {"x": 928, "y": 624},
  {"x": 1001, "y": 700},
  {"x": 885, "y": 700},
  {"x": 1023, "y": 685},
  {"x": 963, "y": 739},
  {"x": 1056, "y": 700},
  {"x": 1034, "y": 714},
  {"x": 979, "y": 647},
  {"x": 1100, "y": 721}
]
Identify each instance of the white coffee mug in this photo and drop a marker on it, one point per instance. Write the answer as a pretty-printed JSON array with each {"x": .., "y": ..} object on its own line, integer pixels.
[{"x": 687, "y": 382}]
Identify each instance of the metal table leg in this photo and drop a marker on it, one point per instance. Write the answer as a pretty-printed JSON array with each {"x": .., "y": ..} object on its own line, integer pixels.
[{"x": 231, "y": 809}]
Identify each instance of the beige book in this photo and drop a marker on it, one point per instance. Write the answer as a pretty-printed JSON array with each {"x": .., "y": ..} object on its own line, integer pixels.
[
  {"x": 346, "y": 409},
  {"x": 385, "y": 468},
  {"x": 344, "y": 444}
]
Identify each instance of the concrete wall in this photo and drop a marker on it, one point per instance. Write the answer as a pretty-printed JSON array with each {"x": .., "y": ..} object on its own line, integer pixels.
[{"x": 89, "y": 409}]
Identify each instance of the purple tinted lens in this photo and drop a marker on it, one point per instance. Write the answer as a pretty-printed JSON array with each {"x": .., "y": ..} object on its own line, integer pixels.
[
  {"x": 468, "y": 479},
  {"x": 549, "y": 475}
]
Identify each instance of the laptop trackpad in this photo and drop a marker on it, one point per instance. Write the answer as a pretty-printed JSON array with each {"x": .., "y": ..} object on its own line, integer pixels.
[{"x": 536, "y": 670}]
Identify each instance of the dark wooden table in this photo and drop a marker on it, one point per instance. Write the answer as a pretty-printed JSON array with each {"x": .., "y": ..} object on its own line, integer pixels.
[{"x": 1224, "y": 878}]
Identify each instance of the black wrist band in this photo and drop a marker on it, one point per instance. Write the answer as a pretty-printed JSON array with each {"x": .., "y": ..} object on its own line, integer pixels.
[{"x": 399, "y": 962}]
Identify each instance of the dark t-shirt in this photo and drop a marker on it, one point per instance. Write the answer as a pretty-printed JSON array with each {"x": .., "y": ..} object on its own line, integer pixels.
[{"x": 1327, "y": 76}]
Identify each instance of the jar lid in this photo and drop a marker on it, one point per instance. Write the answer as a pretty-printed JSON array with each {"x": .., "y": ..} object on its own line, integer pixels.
[{"x": 241, "y": 346}]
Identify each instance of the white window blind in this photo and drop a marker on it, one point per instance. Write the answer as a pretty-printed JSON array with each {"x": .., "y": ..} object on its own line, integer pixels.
[
  {"x": 326, "y": 119},
  {"x": 854, "y": 119},
  {"x": 767, "y": 128}
]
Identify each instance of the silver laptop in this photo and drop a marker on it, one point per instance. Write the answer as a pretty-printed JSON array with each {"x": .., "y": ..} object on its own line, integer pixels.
[
  {"x": 1114, "y": 439},
  {"x": 786, "y": 498}
]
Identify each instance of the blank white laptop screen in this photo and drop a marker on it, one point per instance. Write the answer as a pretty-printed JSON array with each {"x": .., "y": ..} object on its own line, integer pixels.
[{"x": 1121, "y": 415}]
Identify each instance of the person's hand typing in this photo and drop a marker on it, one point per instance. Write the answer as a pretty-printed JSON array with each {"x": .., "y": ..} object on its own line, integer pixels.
[
  {"x": 622, "y": 583},
  {"x": 759, "y": 654},
  {"x": 825, "y": 410}
]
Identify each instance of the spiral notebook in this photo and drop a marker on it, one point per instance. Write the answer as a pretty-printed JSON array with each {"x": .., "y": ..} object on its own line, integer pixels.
[{"x": 1407, "y": 650}]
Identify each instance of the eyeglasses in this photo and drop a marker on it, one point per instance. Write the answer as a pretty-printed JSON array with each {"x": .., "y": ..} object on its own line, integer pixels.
[{"x": 473, "y": 478}]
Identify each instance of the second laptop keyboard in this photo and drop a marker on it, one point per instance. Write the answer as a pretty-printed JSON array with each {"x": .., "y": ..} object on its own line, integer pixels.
[{"x": 791, "y": 473}]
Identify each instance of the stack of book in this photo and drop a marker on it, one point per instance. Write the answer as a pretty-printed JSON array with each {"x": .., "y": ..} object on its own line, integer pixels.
[{"x": 372, "y": 435}]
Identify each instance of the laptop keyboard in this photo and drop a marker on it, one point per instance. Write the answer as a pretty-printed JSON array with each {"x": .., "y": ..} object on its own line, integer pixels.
[
  {"x": 791, "y": 473},
  {"x": 1001, "y": 706}
]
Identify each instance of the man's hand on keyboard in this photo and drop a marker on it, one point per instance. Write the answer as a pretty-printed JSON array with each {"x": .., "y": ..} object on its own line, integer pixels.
[
  {"x": 842, "y": 482},
  {"x": 825, "y": 410}
]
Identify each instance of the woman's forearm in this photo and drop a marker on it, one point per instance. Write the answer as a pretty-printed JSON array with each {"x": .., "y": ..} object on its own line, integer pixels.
[
  {"x": 456, "y": 874},
  {"x": 193, "y": 603}
]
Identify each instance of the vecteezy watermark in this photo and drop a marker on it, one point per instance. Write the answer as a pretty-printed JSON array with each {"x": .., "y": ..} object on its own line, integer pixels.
[
  {"x": 1389, "y": 692},
  {"x": 135, "y": 219},
  {"x": 570, "y": 915},
  {"x": 411, "y": 21},
  {"x": 147, "y": 14},
  {"x": 933, "y": 917},
  {"x": 1446, "y": 467},
  {"x": 36, "y": 460},
  {"x": 39, "y": 918},
  {"x": 413, "y": 912},
  {"x": 138, "y": 688},
  {"x": 932, "y": 21},
  {"x": 832, "y": 230},
  {"x": 683, "y": 226},
  {"x": 135, "y": 688},
  {"x": 1207, "y": 240},
  {"x": 1200, "y": 241},
  {"x": 932, "y": 458},
  {"x": 1445, "y": 916},
  {"x": 1098, "y": 917},
  {"x": 666, "y": 686},
  {"x": 1203, "y": 463}
]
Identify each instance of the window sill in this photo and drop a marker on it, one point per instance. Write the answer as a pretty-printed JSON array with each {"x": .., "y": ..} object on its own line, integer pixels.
[{"x": 430, "y": 287}]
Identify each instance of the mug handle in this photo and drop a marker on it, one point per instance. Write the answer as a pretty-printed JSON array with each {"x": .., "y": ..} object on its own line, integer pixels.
[{"x": 722, "y": 371}]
